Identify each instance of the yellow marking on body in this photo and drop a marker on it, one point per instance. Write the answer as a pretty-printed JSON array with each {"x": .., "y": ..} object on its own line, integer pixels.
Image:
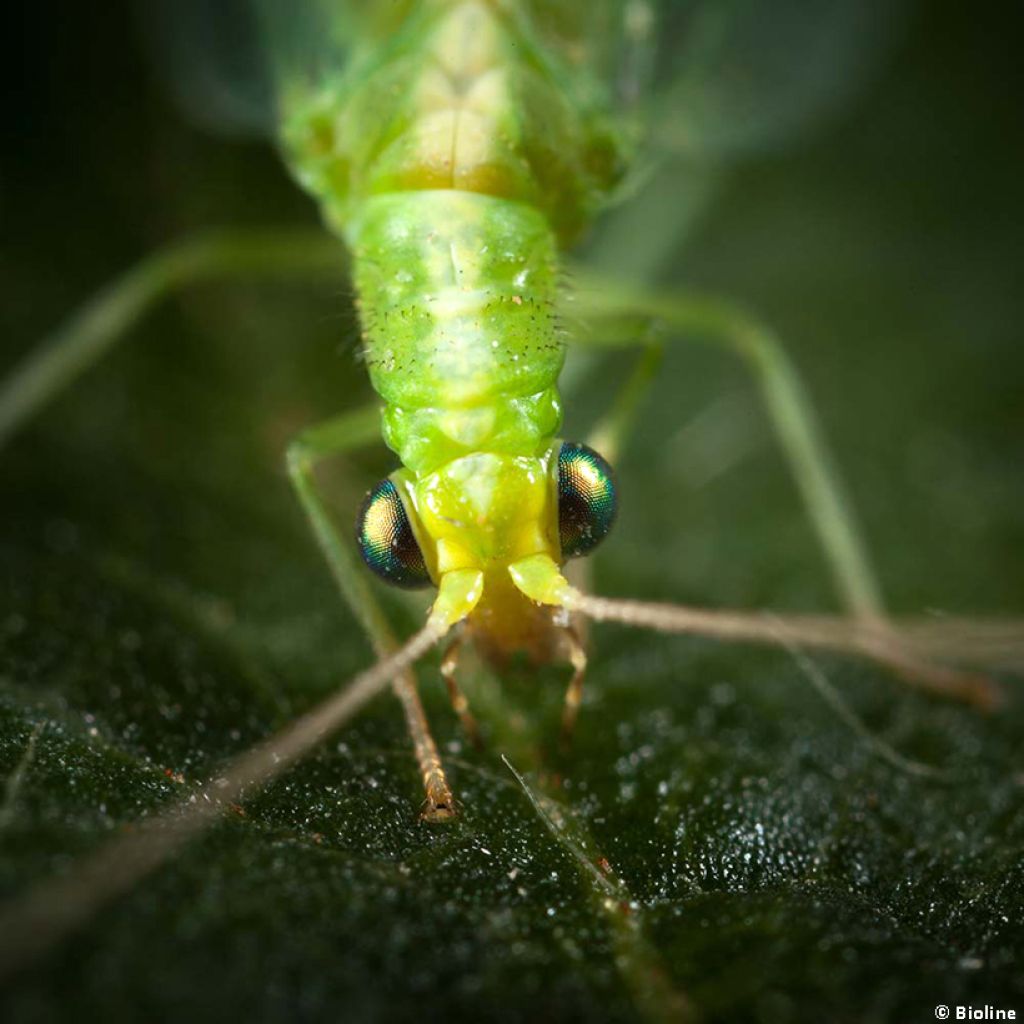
[
  {"x": 480, "y": 483},
  {"x": 461, "y": 98},
  {"x": 448, "y": 303},
  {"x": 488, "y": 95},
  {"x": 485, "y": 510},
  {"x": 435, "y": 91},
  {"x": 467, "y": 43},
  {"x": 473, "y": 153},
  {"x": 452, "y": 555},
  {"x": 456, "y": 306},
  {"x": 451, "y": 266},
  {"x": 469, "y": 427}
]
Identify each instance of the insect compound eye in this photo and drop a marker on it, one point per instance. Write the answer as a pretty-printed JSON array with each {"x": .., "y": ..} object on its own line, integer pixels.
[
  {"x": 386, "y": 540},
  {"x": 586, "y": 499}
]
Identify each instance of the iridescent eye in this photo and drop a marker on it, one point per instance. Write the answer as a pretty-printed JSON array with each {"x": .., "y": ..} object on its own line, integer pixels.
[
  {"x": 386, "y": 540},
  {"x": 586, "y": 499}
]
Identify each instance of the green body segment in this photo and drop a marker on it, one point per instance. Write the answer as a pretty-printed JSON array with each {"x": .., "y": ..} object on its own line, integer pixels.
[
  {"x": 456, "y": 294},
  {"x": 456, "y": 157}
]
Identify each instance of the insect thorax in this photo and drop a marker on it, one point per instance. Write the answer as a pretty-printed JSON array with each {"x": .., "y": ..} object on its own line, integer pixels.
[
  {"x": 455, "y": 158},
  {"x": 456, "y": 296}
]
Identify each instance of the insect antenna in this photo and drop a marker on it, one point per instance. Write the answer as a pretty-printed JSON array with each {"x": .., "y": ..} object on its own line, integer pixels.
[
  {"x": 905, "y": 647},
  {"x": 814, "y": 674},
  {"x": 56, "y": 907}
]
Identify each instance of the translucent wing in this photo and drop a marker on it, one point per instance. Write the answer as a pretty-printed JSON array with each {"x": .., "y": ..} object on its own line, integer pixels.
[
  {"x": 212, "y": 63},
  {"x": 699, "y": 77},
  {"x": 229, "y": 64},
  {"x": 732, "y": 76},
  {"x": 703, "y": 83},
  {"x": 692, "y": 83}
]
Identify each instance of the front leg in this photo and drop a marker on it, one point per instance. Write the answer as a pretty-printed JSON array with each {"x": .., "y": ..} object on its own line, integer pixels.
[{"x": 334, "y": 437}]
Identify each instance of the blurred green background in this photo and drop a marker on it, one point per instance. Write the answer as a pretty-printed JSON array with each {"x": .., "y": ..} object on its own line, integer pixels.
[{"x": 162, "y": 604}]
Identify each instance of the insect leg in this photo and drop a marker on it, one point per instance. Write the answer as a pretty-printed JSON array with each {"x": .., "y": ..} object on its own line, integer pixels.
[
  {"x": 449, "y": 672},
  {"x": 610, "y": 432},
  {"x": 574, "y": 694},
  {"x": 334, "y": 437},
  {"x": 789, "y": 408},
  {"x": 61, "y": 358}
]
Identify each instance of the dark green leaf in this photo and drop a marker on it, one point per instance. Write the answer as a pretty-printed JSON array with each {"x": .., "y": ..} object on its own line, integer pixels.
[{"x": 718, "y": 837}]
